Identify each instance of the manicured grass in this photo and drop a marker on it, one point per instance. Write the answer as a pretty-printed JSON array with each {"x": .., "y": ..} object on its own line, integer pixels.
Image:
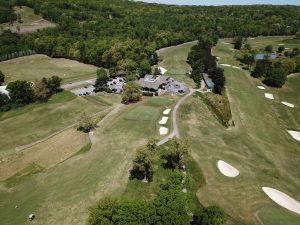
[
  {"x": 37, "y": 66},
  {"x": 277, "y": 216},
  {"x": 63, "y": 193},
  {"x": 258, "y": 145},
  {"x": 160, "y": 101},
  {"x": 174, "y": 60},
  {"x": 261, "y": 42},
  {"x": 30, "y": 123},
  {"x": 142, "y": 113}
]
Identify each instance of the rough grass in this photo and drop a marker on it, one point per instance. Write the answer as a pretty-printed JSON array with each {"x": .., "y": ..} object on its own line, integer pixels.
[
  {"x": 44, "y": 155},
  {"x": 33, "y": 122},
  {"x": 258, "y": 146},
  {"x": 30, "y": 21},
  {"x": 38, "y": 66},
  {"x": 277, "y": 216},
  {"x": 219, "y": 105},
  {"x": 174, "y": 60}
]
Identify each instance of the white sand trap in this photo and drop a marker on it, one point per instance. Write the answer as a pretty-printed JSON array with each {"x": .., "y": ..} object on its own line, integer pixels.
[
  {"x": 3, "y": 90},
  {"x": 218, "y": 57},
  {"x": 295, "y": 134},
  {"x": 225, "y": 65},
  {"x": 281, "y": 44},
  {"x": 236, "y": 67},
  {"x": 282, "y": 199},
  {"x": 163, "y": 120},
  {"x": 261, "y": 87},
  {"x": 269, "y": 96},
  {"x": 162, "y": 70},
  {"x": 227, "y": 170},
  {"x": 288, "y": 104},
  {"x": 163, "y": 130},
  {"x": 167, "y": 111},
  {"x": 286, "y": 48},
  {"x": 225, "y": 43}
]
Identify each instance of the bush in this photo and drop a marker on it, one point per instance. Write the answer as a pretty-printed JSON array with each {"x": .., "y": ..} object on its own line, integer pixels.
[
  {"x": 276, "y": 77},
  {"x": 147, "y": 94},
  {"x": 212, "y": 215}
]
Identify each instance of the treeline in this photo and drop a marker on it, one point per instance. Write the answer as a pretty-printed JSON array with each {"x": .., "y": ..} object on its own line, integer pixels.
[
  {"x": 23, "y": 92},
  {"x": 122, "y": 35},
  {"x": 6, "y": 11},
  {"x": 202, "y": 61},
  {"x": 170, "y": 205}
]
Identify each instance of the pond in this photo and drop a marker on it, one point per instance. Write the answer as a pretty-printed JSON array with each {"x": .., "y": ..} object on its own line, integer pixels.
[{"x": 265, "y": 55}]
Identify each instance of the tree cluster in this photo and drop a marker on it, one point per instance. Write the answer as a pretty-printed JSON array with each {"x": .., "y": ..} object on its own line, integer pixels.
[
  {"x": 202, "y": 61},
  {"x": 274, "y": 72},
  {"x": 132, "y": 92},
  {"x": 23, "y": 92}
]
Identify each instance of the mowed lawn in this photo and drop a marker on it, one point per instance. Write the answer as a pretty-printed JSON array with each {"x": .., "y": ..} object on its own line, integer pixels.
[
  {"x": 258, "y": 146},
  {"x": 38, "y": 66},
  {"x": 62, "y": 194},
  {"x": 174, "y": 59},
  {"x": 28, "y": 124}
]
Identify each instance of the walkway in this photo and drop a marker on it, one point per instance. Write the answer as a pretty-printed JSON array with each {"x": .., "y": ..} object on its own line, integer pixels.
[{"x": 175, "y": 132}]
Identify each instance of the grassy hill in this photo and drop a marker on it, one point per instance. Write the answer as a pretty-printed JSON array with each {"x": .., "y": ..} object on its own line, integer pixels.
[
  {"x": 37, "y": 66},
  {"x": 30, "y": 22}
]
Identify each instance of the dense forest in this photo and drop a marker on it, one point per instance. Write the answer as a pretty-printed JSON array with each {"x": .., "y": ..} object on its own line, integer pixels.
[
  {"x": 120, "y": 34},
  {"x": 6, "y": 11}
]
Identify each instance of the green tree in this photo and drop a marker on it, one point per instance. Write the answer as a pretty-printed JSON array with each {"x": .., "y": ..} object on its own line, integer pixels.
[
  {"x": 211, "y": 215},
  {"x": 297, "y": 61},
  {"x": 175, "y": 155},
  {"x": 132, "y": 92},
  {"x": 269, "y": 48},
  {"x": 238, "y": 42},
  {"x": 280, "y": 49},
  {"x": 101, "y": 81},
  {"x": 4, "y": 102},
  {"x": 262, "y": 67},
  {"x": 142, "y": 167},
  {"x": 20, "y": 92},
  {"x": 41, "y": 90},
  {"x": 145, "y": 67},
  {"x": 2, "y": 77},
  {"x": 86, "y": 123},
  {"x": 103, "y": 212},
  {"x": 276, "y": 77},
  {"x": 53, "y": 84}
]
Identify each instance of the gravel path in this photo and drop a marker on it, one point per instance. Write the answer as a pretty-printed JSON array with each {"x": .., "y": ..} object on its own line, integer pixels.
[
  {"x": 175, "y": 132},
  {"x": 78, "y": 83}
]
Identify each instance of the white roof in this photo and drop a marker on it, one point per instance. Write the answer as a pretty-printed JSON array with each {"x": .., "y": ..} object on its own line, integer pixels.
[{"x": 3, "y": 90}]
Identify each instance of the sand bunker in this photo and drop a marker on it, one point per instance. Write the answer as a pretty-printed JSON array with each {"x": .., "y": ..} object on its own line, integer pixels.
[
  {"x": 218, "y": 57},
  {"x": 282, "y": 199},
  {"x": 167, "y": 111},
  {"x": 225, "y": 43},
  {"x": 225, "y": 65},
  {"x": 261, "y": 87},
  {"x": 163, "y": 120},
  {"x": 163, "y": 130},
  {"x": 162, "y": 70},
  {"x": 3, "y": 90},
  {"x": 281, "y": 44},
  {"x": 288, "y": 104},
  {"x": 227, "y": 169},
  {"x": 236, "y": 67},
  {"x": 269, "y": 96},
  {"x": 295, "y": 134}
]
